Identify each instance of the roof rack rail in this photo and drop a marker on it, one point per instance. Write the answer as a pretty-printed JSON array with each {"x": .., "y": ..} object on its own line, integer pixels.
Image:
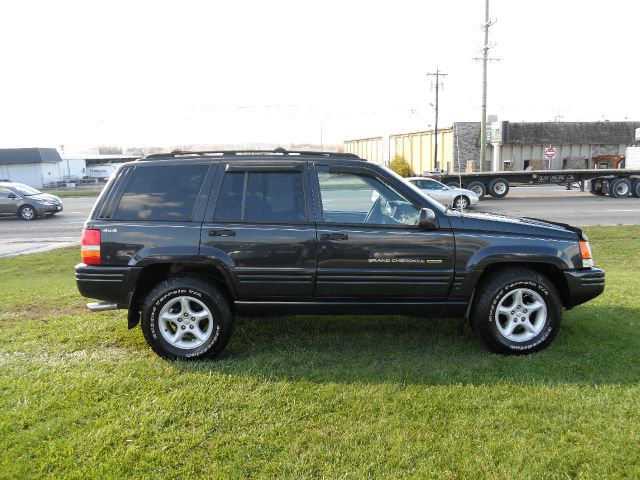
[{"x": 226, "y": 153}]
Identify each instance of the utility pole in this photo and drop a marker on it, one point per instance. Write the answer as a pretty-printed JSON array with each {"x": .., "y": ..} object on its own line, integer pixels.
[
  {"x": 438, "y": 74},
  {"x": 485, "y": 54}
]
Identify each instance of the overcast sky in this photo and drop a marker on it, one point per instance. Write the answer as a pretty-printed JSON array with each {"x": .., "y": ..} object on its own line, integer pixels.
[{"x": 90, "y": 73}]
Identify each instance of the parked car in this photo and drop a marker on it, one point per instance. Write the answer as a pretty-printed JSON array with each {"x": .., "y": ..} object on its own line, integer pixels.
[
  {"x": 27, "y": 202},
  {"x": 449, "y": 196},
  {"x": 187, "y": 241}
]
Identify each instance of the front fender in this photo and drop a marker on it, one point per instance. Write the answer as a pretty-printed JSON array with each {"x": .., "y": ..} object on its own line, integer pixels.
[
  {"x": 475, "y": 253},
  {"x": 559, "y": 258}
]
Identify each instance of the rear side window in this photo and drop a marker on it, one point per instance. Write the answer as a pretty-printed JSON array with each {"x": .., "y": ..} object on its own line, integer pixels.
[
  {"x": 161, "y": 193},
  {"x": 262, "y": 197}
]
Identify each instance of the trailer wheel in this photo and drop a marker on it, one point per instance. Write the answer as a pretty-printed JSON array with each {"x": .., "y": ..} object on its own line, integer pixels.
[
  {"x": 635, "y": 188},
  {"x": 620, "y": 188},
  {"x": 478, "y": 188},
  {"x": 499, "y": 188}
]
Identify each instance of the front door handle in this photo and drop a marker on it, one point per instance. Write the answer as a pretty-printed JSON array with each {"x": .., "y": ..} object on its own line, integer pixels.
[
  {"x": 222, "y": 233},
  {"x": 334, "y": 236}
]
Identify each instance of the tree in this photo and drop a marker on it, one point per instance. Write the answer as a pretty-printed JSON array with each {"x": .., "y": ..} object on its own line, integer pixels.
[
  {"x": 400, "y": 165},
  {"x": 109, "y": 150}
]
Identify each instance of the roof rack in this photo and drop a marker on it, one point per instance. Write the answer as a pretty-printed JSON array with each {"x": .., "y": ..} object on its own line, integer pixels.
[{"x": 231, "y": 153}]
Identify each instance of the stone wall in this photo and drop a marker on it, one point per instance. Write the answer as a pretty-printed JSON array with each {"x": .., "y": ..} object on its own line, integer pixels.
[{"x": 466, "y": 146}]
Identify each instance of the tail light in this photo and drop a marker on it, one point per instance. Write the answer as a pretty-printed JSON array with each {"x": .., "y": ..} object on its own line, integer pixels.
[
  {"x": 90, "y": 247},
  {"x": 585, "y": 253}
]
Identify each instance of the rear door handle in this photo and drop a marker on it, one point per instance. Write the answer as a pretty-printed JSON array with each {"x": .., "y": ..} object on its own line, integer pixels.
[
  {"x": 222, "y": 233},
  {"x": 334, "y": 236}
]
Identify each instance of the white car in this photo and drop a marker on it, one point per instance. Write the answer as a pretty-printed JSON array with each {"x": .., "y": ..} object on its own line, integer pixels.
[{"x": 450, "y": 196}]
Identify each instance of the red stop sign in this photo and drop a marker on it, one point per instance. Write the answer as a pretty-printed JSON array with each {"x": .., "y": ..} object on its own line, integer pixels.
[{"x": 550, "y": 152}]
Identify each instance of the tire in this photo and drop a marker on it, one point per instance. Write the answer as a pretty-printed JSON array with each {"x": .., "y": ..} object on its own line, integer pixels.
[
  {"x": 495, "y": 316},
  {"x": 499, "y": 188},
  {"x": 635, "y": 188},
  {"x": 461, "y": 202},
  {"x": 620, "y": 188},
  {"x": 191, "y": 305},
  {"x": 478, "y": 188},
  {"x": 453, "y": 184},
  {"x": 28, "y": 213}
]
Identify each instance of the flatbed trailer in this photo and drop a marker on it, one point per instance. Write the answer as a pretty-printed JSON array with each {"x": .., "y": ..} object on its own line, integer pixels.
[{"x": 618, "y": 183}]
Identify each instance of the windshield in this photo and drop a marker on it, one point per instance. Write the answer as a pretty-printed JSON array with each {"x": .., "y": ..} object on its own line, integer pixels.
[{"x": 24, "y": 190}]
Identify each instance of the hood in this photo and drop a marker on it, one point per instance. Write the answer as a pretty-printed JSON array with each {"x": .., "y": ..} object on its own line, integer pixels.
[
  {"x": 494, "y": 222},
  {"x": 45, "y": 197}
]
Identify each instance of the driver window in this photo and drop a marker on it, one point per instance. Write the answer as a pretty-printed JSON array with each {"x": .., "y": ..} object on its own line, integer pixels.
[
  {"x": 4, "y": 193},
  {"x": 361, "y": 199}
]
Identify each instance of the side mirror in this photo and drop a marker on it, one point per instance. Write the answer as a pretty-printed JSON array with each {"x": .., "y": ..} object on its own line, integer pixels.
[
  {"x": 427, "y": 219},
  {"x": 11, "y": 196}
]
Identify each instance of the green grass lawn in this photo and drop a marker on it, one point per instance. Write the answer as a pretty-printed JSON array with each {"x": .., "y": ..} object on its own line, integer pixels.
[
  {"x": 83, "y": 192},
  {"x": 329, "y": 397}
]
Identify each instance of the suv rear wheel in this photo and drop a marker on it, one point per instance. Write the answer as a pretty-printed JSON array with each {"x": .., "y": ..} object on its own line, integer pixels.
[
  {"x": 186, "y": 317},
  {"x": 517, "y": 311}
]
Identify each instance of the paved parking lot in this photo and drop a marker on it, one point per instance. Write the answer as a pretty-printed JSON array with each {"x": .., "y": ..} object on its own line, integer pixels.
[
  {"x": 567, "y": 206},
  {"x": 549, "y": 202},
  {"x": 18, "y": 236}
]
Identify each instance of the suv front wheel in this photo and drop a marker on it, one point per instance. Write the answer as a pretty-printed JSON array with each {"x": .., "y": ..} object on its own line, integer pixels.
[
  {"x": 186, "y": 317},
  {"x": 517, "y": 311}
]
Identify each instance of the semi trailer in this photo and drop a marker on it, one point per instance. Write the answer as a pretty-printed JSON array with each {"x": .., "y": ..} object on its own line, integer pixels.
[{"x": 618, "y": 183}]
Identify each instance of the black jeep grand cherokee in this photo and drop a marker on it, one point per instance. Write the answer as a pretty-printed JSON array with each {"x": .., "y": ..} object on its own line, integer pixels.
[{"x": 186, "y": 241}]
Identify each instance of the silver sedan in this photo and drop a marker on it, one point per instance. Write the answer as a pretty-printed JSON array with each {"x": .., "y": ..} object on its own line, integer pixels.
[{"x": 450, "y": 196}]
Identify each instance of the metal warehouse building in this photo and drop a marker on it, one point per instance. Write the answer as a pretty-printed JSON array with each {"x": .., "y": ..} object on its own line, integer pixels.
[
  {"x": 37, "y": 167},
  {"x": 510, "y": 146}
]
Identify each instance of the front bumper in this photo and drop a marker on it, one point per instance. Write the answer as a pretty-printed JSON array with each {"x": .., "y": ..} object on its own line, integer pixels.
[
  {"x": 109, "y": 284},
  {"x": 42, "y": 209},
  {"x": 584, "y": 284}
]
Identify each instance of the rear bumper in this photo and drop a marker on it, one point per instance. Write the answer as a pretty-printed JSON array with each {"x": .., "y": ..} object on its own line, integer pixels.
[
  {"x": 109, "y": 284},
  {"x": 584, "y": 285}
]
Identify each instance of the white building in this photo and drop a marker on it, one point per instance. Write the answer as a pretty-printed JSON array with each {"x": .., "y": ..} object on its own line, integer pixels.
[{"x": 38, "y": 167}]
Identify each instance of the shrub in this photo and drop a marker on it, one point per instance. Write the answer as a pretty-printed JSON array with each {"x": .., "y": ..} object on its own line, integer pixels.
[{"x": 400, "y": 165}]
